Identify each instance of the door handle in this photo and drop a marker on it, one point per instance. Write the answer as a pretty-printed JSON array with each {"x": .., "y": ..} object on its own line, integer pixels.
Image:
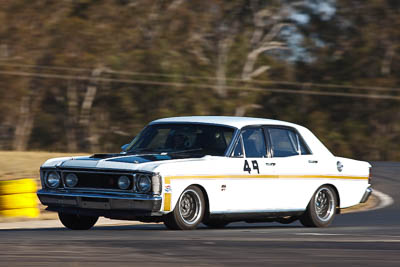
[
  {"x": 313, "y": 161},
  {"x": 270, "y": 163}
]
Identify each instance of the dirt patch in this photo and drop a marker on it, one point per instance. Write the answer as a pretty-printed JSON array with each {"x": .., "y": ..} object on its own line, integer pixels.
[{"x": 372, "y": 202}]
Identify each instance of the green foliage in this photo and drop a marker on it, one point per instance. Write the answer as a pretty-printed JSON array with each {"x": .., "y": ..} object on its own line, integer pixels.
[{"x": 124, "y": 63}]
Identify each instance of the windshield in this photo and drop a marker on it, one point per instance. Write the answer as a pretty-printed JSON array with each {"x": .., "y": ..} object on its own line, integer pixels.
[{"x": 193, "y": 139}]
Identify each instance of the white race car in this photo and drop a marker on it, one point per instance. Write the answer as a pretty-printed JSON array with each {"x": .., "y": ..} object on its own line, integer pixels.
[{"x": 207, "y": 169}]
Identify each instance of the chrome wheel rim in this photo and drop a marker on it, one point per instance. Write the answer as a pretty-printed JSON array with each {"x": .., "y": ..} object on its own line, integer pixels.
[
  {"x": 190, "y": 207},
  {"x": 324, "y": 204}
]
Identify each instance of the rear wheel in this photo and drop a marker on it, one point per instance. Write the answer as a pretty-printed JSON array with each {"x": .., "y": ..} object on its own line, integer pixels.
[
  {"x": 188, "y": 212},
  {"x": 321, "y": 209},
  {"x": 77, "y": 222}
]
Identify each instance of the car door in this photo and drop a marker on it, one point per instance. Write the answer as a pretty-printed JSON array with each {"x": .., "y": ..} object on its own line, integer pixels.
[
  {"x": 252, "y": 188},
  {"x": 295, "y": 166}
]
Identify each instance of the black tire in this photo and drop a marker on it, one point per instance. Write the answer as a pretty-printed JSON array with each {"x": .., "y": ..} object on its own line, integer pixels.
[
  {"x": 77, "y": 222},
  {"x": 322, "y": 208},
  {"x": 188, "y": 212},
  {"x": 216, "y": 224}
]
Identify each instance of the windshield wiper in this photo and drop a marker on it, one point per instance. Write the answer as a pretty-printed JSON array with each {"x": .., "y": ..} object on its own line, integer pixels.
[
  {"x": 142, "y": 150},
  {"x": 184, "y": 151},
  {"x": 151, "y": 151}
]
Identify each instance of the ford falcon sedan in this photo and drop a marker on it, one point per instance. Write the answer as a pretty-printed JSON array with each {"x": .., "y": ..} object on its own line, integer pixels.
[{"x": 184, "y": 171}]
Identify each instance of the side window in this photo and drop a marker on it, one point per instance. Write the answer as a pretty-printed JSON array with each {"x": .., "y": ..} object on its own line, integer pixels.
[
  {"x": 303, "y": 148},
  {"x": 238, "y": 152},
  {"x": 286, "y": 143},
  {"x": 254, "y": 143}
]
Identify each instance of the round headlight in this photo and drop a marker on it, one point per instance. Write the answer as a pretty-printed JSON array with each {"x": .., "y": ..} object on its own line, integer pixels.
[
  {"x": 144, "y": 183},
  {"x": 71, "y": 180},
  {"x": 124, "y": 182},
  {"x": 53, "y": 179}
]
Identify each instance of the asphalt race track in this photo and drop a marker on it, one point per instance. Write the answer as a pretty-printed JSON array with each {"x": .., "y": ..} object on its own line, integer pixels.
[{"x": 365, "y": 238}]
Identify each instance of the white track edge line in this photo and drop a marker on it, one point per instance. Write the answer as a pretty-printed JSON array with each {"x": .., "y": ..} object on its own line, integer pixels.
[{"x": 384, "y": 200}]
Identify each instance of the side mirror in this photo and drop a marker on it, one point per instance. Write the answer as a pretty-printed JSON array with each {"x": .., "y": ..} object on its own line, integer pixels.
[{"x": 124, "y": 147}]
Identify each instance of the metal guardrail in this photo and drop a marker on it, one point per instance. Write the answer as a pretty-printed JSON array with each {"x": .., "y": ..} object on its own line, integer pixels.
[{"x": 18, "y": 198}]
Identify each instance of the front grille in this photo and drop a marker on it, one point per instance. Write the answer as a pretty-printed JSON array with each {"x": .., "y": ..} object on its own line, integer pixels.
[{"x": 98, "y": 180}]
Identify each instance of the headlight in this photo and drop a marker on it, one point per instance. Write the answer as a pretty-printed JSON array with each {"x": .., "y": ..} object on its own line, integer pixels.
[
  {"x": 53, "y": 179},
  {"x": 143, "y": 183},
  {"x": 71, "y": 180},
  {"x": 124, "y": 182}
]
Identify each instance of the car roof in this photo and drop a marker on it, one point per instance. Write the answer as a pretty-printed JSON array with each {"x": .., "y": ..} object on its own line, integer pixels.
[
  {"x": 312, "y": 141},
  {"x": 238, "y": 122}
]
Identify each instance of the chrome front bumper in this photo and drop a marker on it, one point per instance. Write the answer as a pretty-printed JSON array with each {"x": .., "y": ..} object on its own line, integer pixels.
[
  {"x": 100, "y": 201},
  {"x": 366, "y": 195}
]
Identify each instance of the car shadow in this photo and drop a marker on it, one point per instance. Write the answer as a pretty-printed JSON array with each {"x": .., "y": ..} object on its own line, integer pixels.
[{"x": 161, "y": 227}]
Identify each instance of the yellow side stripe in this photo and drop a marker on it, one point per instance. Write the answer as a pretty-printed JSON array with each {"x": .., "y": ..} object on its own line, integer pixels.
[
  {"x": 260, "y": 176},
  {"x": 167, "y": 201}
]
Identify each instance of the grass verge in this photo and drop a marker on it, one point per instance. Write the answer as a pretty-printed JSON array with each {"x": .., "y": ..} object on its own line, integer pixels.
[{"x": 19, "y": 164}]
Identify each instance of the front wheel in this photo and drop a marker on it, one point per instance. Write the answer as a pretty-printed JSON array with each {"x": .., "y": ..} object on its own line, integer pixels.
[
  {"x": 322, "y": 208},
  {"x": 77, "y": 222},
  {"x": 188, "y": 212}
]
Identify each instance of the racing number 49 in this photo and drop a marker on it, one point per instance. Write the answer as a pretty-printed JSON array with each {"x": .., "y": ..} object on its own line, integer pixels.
[{"x": 247, "y": 168}]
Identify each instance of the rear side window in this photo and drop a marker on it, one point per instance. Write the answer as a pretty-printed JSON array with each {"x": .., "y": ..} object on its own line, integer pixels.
[
  {"x": 254, "y": 143},
  {"x": 286, "y": 143},
  {"x": 303, "y": 148}
]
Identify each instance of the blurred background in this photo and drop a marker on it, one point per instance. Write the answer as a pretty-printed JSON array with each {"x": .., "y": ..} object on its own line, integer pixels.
[{"x": 87, "y": 75}]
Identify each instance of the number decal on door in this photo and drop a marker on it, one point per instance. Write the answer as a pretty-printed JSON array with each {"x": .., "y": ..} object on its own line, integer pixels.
[
  {"x": 255, "y": 166},
  {"x": 247, "y": 168}
]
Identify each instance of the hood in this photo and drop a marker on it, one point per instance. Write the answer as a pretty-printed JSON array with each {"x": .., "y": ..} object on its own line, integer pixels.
[{"x": 146, "y": 162}]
